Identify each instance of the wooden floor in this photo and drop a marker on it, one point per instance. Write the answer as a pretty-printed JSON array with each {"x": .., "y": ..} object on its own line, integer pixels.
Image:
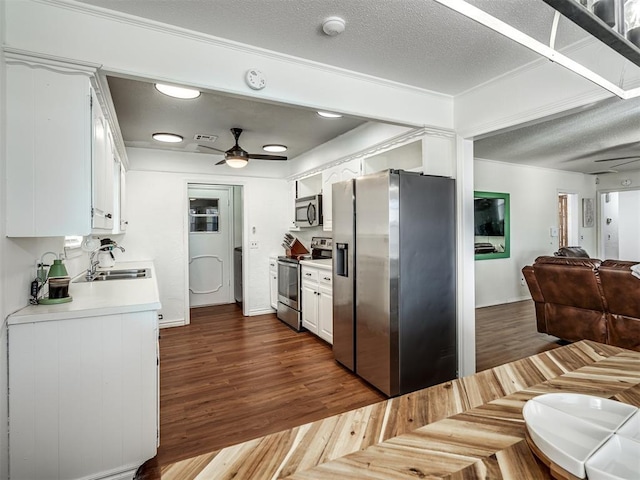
[{"x": 226, "y": 378}]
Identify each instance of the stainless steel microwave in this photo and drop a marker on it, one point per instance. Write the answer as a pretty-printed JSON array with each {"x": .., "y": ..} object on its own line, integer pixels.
[{"x": 309, "y": 211}]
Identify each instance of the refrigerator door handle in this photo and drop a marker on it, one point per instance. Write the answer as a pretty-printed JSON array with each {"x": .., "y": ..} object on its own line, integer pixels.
[{"x": 342, "y": 250}]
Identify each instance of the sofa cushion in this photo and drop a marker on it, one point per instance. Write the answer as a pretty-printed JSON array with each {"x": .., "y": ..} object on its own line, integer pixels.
[
  {"x": 570, "y": 281},
  {"x": 573, "y": 324},
  {"x": 623, "y": 331},
  {"x": 621, "y": 289}
]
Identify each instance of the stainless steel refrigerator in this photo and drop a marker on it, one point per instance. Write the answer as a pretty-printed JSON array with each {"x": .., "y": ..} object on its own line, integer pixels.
[{"x": 394, "y": 282}]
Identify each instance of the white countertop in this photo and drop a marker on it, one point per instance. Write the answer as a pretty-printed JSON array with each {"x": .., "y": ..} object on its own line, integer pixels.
[
  {"x": 322, "y": 263},
  {"x": 92, "y": 299}
]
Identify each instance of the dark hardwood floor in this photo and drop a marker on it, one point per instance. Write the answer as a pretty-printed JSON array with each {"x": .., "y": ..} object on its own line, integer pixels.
[
  {"x": 507, "y": 332},
  {"x": 226, "y": 378}
]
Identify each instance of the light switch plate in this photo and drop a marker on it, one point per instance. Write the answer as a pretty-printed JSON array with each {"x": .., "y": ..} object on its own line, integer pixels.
[{"x": 553, "y": 231}]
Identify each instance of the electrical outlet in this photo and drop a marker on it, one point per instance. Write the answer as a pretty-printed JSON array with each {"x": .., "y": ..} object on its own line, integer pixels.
[{"x": 253, "y": 245}]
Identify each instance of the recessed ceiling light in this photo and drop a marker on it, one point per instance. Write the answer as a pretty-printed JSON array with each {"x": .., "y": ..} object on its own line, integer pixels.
[
  {"x": 177, "y": 92},
  {"x": 274, "y": 148},
  {"x": 167, "y": 137},
  {"x": 329, "y": 115}
]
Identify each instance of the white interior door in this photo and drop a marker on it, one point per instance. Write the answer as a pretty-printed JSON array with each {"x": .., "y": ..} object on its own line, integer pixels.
[{"x": 210, "y": 242}]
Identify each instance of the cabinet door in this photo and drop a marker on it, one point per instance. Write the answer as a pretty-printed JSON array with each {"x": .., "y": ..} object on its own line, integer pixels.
[
  {"x": 48, "y": 151},
  {"x": 273, "y": 281},
  {"x": 325, "y": 313},
  {"x": 102, "y": 164},
  {"x": 329, "y": 177},
  {"x": 83, "y": 396},
  {"x": 339, "y": 173},
  {"x": 310, "y": 306},
  {"x": 123, "y": 196}
]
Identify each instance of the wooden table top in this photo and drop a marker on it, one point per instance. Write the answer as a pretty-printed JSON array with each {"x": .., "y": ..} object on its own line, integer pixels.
[{"x": 470, "y": 427}]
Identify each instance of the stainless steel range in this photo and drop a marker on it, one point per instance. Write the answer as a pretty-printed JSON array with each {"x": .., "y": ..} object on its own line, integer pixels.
[{"x": 289, "y": 298}]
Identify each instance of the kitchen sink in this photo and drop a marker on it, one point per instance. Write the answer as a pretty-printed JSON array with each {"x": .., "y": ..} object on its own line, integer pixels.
[{"x": 124, "y": 274}]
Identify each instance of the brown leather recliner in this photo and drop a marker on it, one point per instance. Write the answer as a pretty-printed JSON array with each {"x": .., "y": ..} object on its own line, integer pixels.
[
  {"x": 585, "y": 298},
  {"x": 622, "y": 294},
  {"x": 568, "y": 291}
]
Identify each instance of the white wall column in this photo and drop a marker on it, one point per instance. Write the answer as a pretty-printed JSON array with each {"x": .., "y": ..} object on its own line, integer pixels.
[{"x": 466, "y": 262}]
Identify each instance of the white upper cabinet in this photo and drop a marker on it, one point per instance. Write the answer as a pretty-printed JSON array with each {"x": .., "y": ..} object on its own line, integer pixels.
[
  {"x": 48, "y": 178},
  {"x": 61, "y": 160},
  {"x": 337, "y": 173},
  {"x": 103, "y": 167}
]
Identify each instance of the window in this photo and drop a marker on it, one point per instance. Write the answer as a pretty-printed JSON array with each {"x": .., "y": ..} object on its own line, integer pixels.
[{"x": 203, "y": 215}]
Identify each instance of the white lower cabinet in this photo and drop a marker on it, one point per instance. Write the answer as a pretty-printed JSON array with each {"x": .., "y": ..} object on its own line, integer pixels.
[
  {"x": 273, "y": 281},
  {"x": 317, "y": 302},
  {"x": 83, "y": 396}
]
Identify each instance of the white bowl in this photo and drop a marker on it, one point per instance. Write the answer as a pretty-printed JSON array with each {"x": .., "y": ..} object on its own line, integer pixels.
[
  {"x": 631, "y": 428},
  {"x": 617, "y": 459},
  {"x": 603, "y": 412},
  {"x": 566, "y": 440}
]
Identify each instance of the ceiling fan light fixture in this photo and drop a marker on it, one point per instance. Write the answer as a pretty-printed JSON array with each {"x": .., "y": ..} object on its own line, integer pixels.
[
  {"x": 274, "y": 148},
  {"x": 329, "y": 114},
  {"x": 237, "y": 162},
  {"x": 177, "y": 92},
  {"x": 167, "y": 137}
]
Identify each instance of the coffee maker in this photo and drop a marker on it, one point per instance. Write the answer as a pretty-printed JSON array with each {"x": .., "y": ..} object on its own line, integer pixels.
[{"x": 56, "y": 278}]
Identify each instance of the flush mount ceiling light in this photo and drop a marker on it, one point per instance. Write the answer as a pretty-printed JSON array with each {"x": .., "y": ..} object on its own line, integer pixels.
[
  {"x": 274, "y": 148},
  {"x": 177, "y": 92},
  {"x": 329, "y": 115},
  {"x": 167, "y": 137},
  {"x": 333, "y": 26}
]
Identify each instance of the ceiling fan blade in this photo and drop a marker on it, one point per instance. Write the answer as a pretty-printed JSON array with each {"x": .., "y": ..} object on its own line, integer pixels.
[
  {"x": 626, "y": 163},
  {"x": 604, "y": 151},
  {"x": 617, "y": 158},
  {"x": 258, "y": 156},
  {"x": 211, "y": 148},
  {"x": 221, "y": 162}
]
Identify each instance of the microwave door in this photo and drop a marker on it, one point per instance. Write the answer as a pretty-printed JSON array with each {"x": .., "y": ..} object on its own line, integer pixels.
[{"x": 311, "y": 213}]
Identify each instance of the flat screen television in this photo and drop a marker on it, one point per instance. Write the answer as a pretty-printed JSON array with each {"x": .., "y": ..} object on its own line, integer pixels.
[{"x": 489, "y": 217}]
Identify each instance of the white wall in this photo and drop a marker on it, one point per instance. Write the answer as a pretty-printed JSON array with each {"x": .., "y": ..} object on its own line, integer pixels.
[
  {"x": 4, "y": 445},
  {"x": 534, "y": 210},
  {"x": 157, "y": 207},
  {"x": 629, "y": 229},
  {"x": 609, "y": 222}
]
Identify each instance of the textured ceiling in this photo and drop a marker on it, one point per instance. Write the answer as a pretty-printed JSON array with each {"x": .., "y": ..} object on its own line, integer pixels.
[
  {"x": 142, "y": 111},
  {"x": 415, "y": 42},
  {"x": 592, "y": 140}
]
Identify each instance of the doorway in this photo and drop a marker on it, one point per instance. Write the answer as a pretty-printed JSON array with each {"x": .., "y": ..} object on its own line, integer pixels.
[
  {"x": 214, "y": 213},
  {"x": 620, "y": 225},
  {"x": 568, "y": 220}
]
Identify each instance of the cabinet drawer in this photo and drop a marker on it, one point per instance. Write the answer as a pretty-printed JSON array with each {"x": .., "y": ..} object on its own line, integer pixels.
[
  {"x": 309, "y": 274},
  {"x": 325, "y": 277}
]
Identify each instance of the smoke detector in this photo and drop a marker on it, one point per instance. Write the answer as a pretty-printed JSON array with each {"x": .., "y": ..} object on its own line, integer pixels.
[{"x": 333, "y": 26}]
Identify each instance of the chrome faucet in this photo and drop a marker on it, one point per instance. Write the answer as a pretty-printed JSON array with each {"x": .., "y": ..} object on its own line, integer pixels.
[{"x": 93, "y": 263}]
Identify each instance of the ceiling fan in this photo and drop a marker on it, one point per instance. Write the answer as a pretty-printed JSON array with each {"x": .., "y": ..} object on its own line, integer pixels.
[
  {"x": 631, "y": 159},
  {"x": 237, "y": 157}
]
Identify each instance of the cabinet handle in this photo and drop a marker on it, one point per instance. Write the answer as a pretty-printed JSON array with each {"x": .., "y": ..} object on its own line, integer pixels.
[
  {"x": 308, "y": 274},
  {"x": 108, "y": 215},
  {"x": 272, "y": 264},
  {"x": 327, "y": 278}
]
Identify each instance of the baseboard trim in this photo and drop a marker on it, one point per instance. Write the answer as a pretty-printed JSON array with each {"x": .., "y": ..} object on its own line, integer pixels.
[
  {"x": 508, "y": 300},
  {"x": 171, "y": 323},
  {"x": 262, "y": 311}
]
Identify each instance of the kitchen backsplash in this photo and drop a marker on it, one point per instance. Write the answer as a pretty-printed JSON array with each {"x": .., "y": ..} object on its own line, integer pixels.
[{"x": 304, "y": 235}]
